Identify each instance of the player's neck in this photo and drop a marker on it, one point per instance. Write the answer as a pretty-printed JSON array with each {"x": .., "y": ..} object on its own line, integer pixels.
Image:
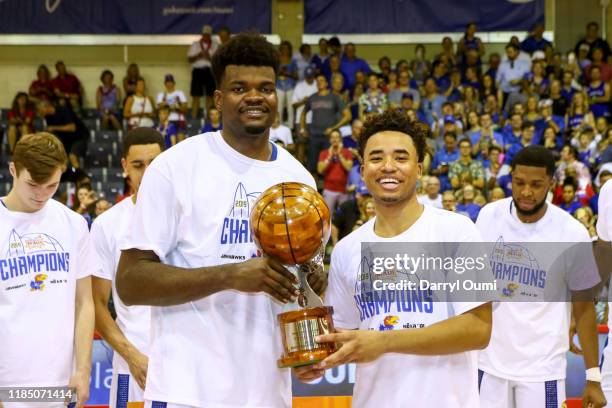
[
  {"x": 252, "y": 146},
  {"x": 392, "y": 220},
  {"x": 12, "y": 203}
]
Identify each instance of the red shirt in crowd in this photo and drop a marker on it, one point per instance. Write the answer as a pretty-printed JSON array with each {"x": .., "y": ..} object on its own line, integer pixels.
[
  {"x": 23, "y": 118},
  {"x": 41, "y": 90},
  {"x": 336, "y": 176},
  {"x": 68, "y": 84}
]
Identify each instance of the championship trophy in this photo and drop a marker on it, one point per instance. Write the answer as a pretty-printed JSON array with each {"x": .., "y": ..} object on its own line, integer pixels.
[{"x": 291, "y": 223}]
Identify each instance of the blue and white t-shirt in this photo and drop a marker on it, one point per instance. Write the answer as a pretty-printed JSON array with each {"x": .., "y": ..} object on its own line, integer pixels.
[
  {"x": 399, "y": 380},
  {"x": 193, "y": 211},
  {"x": 42, "y": 254}
]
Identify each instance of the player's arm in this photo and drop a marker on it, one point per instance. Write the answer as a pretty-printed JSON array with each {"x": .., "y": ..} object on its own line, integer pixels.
[
  {"x": 586, "y": 326},
  {"x": 110, "y": 331},
  {"x": 83, "y": 339},
  {"x": 143, "y": 280},
  {"x": 468, "y": 331}
]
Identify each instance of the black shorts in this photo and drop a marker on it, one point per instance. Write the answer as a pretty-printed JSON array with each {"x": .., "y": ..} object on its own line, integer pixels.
[{"x": 202, "y": 82}]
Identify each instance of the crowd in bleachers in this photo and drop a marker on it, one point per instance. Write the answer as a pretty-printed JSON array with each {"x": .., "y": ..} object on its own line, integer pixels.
[{"x": 482, "y": 108}]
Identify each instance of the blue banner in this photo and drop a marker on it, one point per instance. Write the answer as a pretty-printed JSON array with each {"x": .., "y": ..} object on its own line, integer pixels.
[
  {"x": 419, "y": 16},
  {"x": 337, "y": 381},
  {"x": 132, "y": 17}
]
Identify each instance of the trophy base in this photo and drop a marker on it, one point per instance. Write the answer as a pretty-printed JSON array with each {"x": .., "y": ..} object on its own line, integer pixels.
[{"x": 298, "y": 329}]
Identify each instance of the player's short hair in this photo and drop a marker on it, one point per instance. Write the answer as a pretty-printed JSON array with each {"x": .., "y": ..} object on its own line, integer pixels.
[
  {"x": 535, "y": 156},
  {"x": 142, "y": 136},
  {"x": 246, "y": 49},
  {"x": 41, "y": 154},
  {"x": 396, "y": 120}
]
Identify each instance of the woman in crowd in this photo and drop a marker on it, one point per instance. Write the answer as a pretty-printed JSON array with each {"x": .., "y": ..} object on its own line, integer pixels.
[
  {"x": 20, "y": 119},
  {"x": 374, "y": 99},
  {"x": 138, "y": 109},
  {"x": 41, "y": 88},
  {"x": 130, "y": 80},
  {"x": 108, "y": 100},
  {"x": 578, "y": 115}
]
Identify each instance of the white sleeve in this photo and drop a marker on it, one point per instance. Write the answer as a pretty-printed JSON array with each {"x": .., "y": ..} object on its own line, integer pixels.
[
  {"x": 156, "y": 216},
  {"x": 160, "y": 98},
  {"x": 84, "y": 259},
  {"x": 604, "y": 205},
  {"x": 103, "y": 260},
  {"x": 296, "y": 97},
  {"x": 340, "y": 296},
  {"x": 181, "y": 96},
  {"x": 194, "y": 50},
  {"x": 288, "y": 138}
]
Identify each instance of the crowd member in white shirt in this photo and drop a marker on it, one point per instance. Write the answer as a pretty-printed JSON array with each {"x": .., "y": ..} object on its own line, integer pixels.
[
  {"x": 432, "y": 194},
  {"x": 524, "y": 365},
  {"x": 202, "y": 81},
  {"x": 429, "y": 366},
  {"x": 280, "y": 133},
  {"x": 214, "y": 335},
  {"x": 176, "y": 101},
  {"x": 604, "y": 252},
  {"x": 303, "y": 89},
  {"x": 128, "y": 335},
  {"x": 46, "y": 312}
]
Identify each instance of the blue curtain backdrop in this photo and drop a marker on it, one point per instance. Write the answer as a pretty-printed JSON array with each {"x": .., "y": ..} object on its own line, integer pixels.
[
  {"x": 419, "y": 16},
  {"x": 132, "y": 16}
]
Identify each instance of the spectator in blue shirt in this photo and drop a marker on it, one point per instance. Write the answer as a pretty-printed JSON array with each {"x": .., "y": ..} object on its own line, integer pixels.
[
  {"x": 535, "y": 41},
  {"x": 431, "y": 103},
  {"x": 510, "y": 75},
  {"x": 570, "y": 202},
  {"x": 512, "y": 132},
  {"x": 528, "y": 130},
  {"x": 486, "y": 135},
  {"x": 439, "y": 74},
  {"x": 466, "y": 204},
  {"x": 350, "y": 64},
  {"x": 443, "y": 157}
]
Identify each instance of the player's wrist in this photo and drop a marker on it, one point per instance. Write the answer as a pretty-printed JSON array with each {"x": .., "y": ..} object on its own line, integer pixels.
[{"x": 593, "y": 374}]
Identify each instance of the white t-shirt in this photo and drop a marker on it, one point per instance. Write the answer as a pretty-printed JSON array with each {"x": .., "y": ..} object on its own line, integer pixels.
[
  {"x": 282, "y": 133},
  {"x": 42, "y": 255},
  {"x": 436, "y": 202},
  {"x": 173, "y": 98},
  {"x": 107, "y": 233},
  {"x": 604, "y": 228},
  {"x": 399, "y": 380},
  {"x": 193, "y": 211},
  {"x": 530, "y": 339},
  {"x": 195, "y": 49},
  {"x": 303, "y": 90}
]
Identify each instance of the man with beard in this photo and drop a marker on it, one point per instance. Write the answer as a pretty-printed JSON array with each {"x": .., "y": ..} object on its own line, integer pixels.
[
  {"x": 524, "y": 365},
  {"x": 190, "y": 251}
]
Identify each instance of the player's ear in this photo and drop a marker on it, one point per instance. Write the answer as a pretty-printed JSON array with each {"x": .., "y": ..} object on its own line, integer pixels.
[
  {"x": 13, "y": 169},
  {"x": 218, "y": 97}
]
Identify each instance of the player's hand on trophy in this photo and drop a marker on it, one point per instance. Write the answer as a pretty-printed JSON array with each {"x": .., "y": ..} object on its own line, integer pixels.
[
  {"x": 318, "y": 280},
  {"x": 308, "y": 373},
  {"x": 138, "y": 364},
  {"x": 264, "y": 275},
  {"x": 358, "y": 346}
]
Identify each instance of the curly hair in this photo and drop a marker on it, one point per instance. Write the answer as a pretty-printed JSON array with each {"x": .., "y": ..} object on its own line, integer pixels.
[
  {"x": 248, "y": 48},
  {"x": 396, "y": 120}
]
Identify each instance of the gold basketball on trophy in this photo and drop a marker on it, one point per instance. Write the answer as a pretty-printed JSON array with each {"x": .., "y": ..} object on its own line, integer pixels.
[{"x": 290, "y": 222}]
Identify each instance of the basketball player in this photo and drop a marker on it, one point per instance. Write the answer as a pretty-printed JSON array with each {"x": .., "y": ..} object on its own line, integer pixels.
[
  {"x": 604, "y": 231},
  {"x": 129, "y": 334},
  {"x": 214, "y": 338},
  {"x": 524, "y": 365},
  {"x": 430, "y": 366},
  {"x": 46, "y": 309}
]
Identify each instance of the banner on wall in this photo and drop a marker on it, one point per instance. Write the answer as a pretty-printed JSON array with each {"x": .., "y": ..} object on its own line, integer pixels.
[
  {"x": 336, "y": 382},
  {"x": 132, "y": 17},
  {"x": 419, "y": 16}
]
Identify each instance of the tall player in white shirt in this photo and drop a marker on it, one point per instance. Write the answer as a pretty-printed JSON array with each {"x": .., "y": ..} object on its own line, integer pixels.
[
  {"x": 46, "y": 309},
  {"x": 129, "y": 334},
  {"x": 214, "y": 336},
  {"x": 604, "y": 250},
  {"x": 524, "y": 365},
  {"x": 430, "y": 366}
]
